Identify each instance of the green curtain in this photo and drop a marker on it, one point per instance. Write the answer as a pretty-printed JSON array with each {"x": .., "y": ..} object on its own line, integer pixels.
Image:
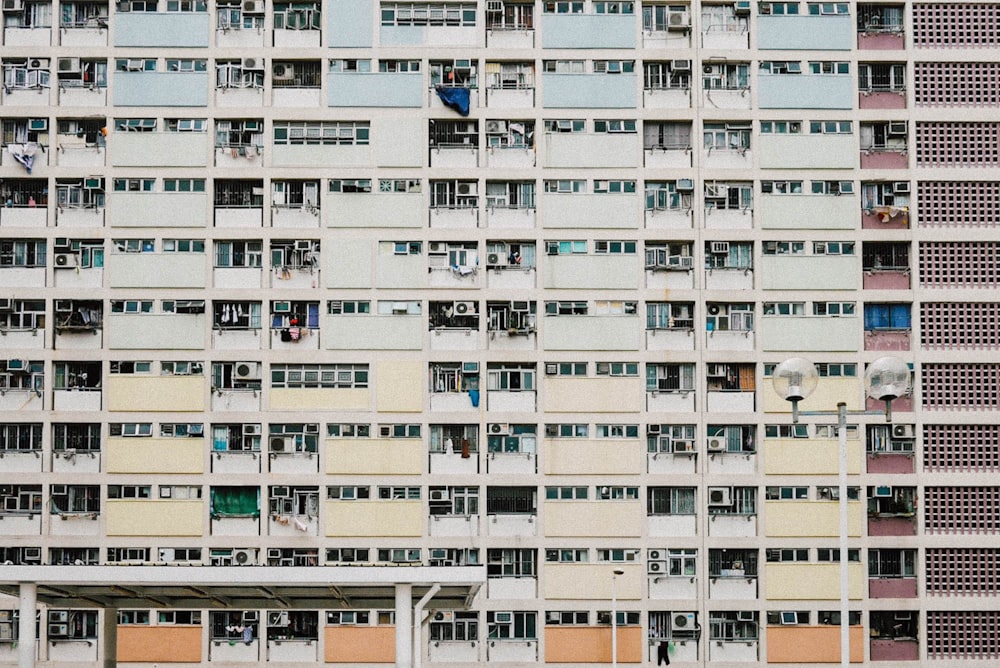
[{"x": 236, "y": 501}]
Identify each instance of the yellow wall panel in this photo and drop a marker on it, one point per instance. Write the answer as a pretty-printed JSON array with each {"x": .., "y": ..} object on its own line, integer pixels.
[
  {"x": 156, "y": 455},
  {"x": 375, "y": 456},
  {"x": 166, "y": 644},
  {"x": 809, "y": 456},
  {"x": 156, "y": 393},
  {"x": 359, "y": 644},
  {"x": 829, "y": 392},
  {"x": 593, "y": 518},
  {"x": 594, "y": 395},
  {"x": 131, "y": 517},
  {"x": 591, "y": 644},
  {"x": 374, "y": 518},
  {"x": 592, "y": 581},
  {"x": 810, "y": 519},
  {"x": 399, "y": 387},
  {"x": 320, "y": 399},
  {"x": 573, "y": 456},
  {"x": 802, "y": 581},
  {"x": 812, "y": 644}
]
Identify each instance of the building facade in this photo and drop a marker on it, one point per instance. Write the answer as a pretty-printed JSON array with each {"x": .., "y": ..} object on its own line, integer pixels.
[{"x": 500, "y": 285}]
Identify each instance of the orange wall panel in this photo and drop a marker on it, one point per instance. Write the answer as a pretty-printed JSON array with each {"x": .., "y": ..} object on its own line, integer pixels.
[
  {"x": 360, "y": 644},
  {"x": 164, "y": 644},
  {"x": 811, "y": 644},
  {"x": 591, "y": 644}
]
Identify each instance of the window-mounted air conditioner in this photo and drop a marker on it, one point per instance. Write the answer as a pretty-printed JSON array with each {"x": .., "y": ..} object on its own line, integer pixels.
[
  {"x": 499, "y": 429},
  {"x": 13, "y": 5},
  {"x": 68, "y": 66},
  {"x": 897, "y": 128},
  {"x": 38, "y": 124},
  {"x": 252, "y": 65},
  {"x": 64, "y": 306},
  {"x": 282, "y": 307},
  {"x": 683, "y": 446},
  {"x": 303, "y": 245},
  {"x": 65, "y": 260},
  {"x": 719, "y": 247},
  {"x": 720, "y": 496},
  {"x": 716, "y": 444},
  {"x": 901, "y": 187},
  {"x": 903, "y": 431},
  {"x": 680, "y": 65},
  {"x": 745, "y": 615},
  {"x": 496, "y": 127},
  {"x": 246, "y": 370},
  {"x": 653, "y": 429},
  {"x": 685, "y": 185},
  {"x": 742, "y": 7},
  {"x": 494, "y": 6}
]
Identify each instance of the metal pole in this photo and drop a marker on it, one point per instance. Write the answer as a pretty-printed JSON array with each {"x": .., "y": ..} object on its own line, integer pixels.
[
  {"x": 614, "y": 620},
  {"x": 845, "y": 629}
]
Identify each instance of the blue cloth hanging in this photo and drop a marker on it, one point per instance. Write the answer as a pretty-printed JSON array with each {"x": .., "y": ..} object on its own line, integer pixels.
[
  {"x": 454, "y": 98},
  {"x": 474, "y": 398}
]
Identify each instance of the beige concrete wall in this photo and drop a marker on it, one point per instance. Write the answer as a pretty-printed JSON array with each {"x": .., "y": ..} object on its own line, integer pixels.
[
  {"x": 399, "y": 387},
  {"x": 809, "y": 456},
  {"x": 594, "y": 395},
  {"x": 319, "y": 399},
  {"x": 810, "y": 519},
  {"x": 593, "y": 581},
  {"x": 573, "y": 456},
  {"x": 156, "y": 455},
  {"x": 375, "y": 456},
  {"x": 593, "y": 518},
  {"x": 156, "y": 393},
  {"x": 803, "y": 581},
  {"x": 374, "y": 518},
  {"x": 159, "y": 517}
]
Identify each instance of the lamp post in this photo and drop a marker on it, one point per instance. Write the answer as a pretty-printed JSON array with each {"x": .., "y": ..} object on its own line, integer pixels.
[
  {"x": 614, "y": 616},
  {"x": 886, "y": 378}
]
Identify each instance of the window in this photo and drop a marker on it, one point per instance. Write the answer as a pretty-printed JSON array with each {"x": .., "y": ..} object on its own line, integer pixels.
[
  {"x": 457, "y": 73},
  {"x": 617, "y": 493},
  {"x": 731, "y": 438},
  {"x": 882, "y": 77},
  {"x": 355, "y": 65},
  {"x": 69, "y": 439},
  {"x": 297, "y": 16},
  {"x": 325, "y": 133},
  {"x": 662, "y": 76},
  {"x": 186, "y": 6},
  {"x": 289, "y": 439},
  {"x": 731, "y": 196},
  {"x": 19, "y": 74},
  {"x": 129, "y": 491},
  {"x": 832, "y": 187},
  {"x": 669, "y": 377},
  {"x": 617, "y": 369},
  {"x": 567, "y": 556},
  {"x": 184, "y": 245},
  {"x": 614, "y": 126},
  {"x": 181, "y": 368},
  {"x": 564, "y": 66},
  {"x": 880, "y": 18},
  {"x": 134, "y": 185},
  {"x": 725, "y": 76},
  {"x": 361, "y": 186},
  {"x": 187, "y": 65},
  {"x": 510, "y": 377},
  {"x": 246, "y": 136},
  {"x": 616, "y": 431},
  {"x": 614, "y": 247},
  {"x": 398, "y": 493},
  {"x": 230, "y": 16},
  {"x": 428, "y": 14},
  {"x": 614, "y": 7},
  {"x": 511, "y": 562},
  {"x": 829, "y": 67},
  {"x": 784, "y": 248},
  {"x": 565, "y": 308},
  {"x": 826, "y": 554},
  {"x": 23, "y": 315},
  {"x": 715, "y": 19},
  {"x": 230, "y": 74},
  {"x": 778, "y": 8},
  {"x": 780, "y": 127},
  {"x": 887, "y": 317},
  {"x": 286, "y": 315},
  {"x": 453, "y": 377},
  {"x": 666, "y": 136},
  {"x": 131, "y": 368},
  {"x": 781, "y": 187},
  {"x": 830, "y": 127},
  {"x": 563, "y": 7},
  {"x": 834, "y": 308},
  {"x": 512, "y": 625},
  {"x": 299, "y": 376},
  {"x": 775, "y": 554},
  {"x": 827, "y": 8},
  {"x": 348, "y": 493},
  {"x": 23, "y": 437},
  {"x": 780, "y": 66},
  {"x": 613, "y": 66},
  {"x": 461, "y": 501},
  {"x": 566, "y": 493},
  {"x": 566, "y": 369},
  {"x": 566, "y": 186},
  {"x": 670, "y": 501},
  {"x": 22, "y": 253},
  {"x": 892, "y": 563},
  {"x": 387, "y": 65},
  {"x": 727, "y": 137},
  {"x": 665, "y": 196},
  {"x": 295, "y": 195}
]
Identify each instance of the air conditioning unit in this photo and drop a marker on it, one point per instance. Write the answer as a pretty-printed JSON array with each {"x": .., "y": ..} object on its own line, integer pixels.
[
  {"x": 166, "y": 554},
  {"x": 251, "y": 430},
  {"x": 273, "y": 553},
  {"x": 68, "y": 66},
  {"x": 282, "y": 443},
  {"x": 18, "y": 365},
  {"x": 469, "y": 188},
  {"x": 93, "y": 183},
  {"x": 277, "y": 618},
  {"x": 250, "y": 616},
  {"x": 59, "y": 490},
  {"x": 882, "y": 492},
  {"x": 685, "y": 620},
  {"x": 282, "y": 72},
  {"x": 13, "y": 5},
  {"x": 58, "y": 616},
  {"x": 440, "y": 495},
  {"x": 519, "y": 307},
  {"x": 897, "y": 128},
  {"x": 656, "y": 566},
  {"x": 903, "y": 431},
  {"x": 684, "y": 446},
  {"x": 720, "y": 496},
  {"x": 244, "y": 557},
  {"x": 246, "y": 371},
  {"x": 32, "y": 554},
  {"x": 64, "y": 306},
  {"x": 742, "y": 7},
  {"x": 253, "y": 6},
  {"x": 280, "y": 492},
  {"x": 38, "y": 63},
  {"x": 496, "y": 260},
  {"x": 720, "y": 247},
  {"x": 653, "y": 429},
  {"x": 685, "y": 185},
  {"x": 496, "y": 127},
  {"x": 465, "y": 308},
  {"x": 65, "y": 260},
  {"x": 678, "y": 21},
  {"x": 745, "y": 615},
  {"x": 385, "y": 431},
  {"x": 444, "y": 616},
  {"x": 494, "y": 6},
  {"x": 499, "y": 429},
  {"x": 716, "y": 444},
  {"x": 6, "y": 304},
  {"x": 253, "y": 64},
  {"x": 680, "y": 65},
  {"x": 901, "y": 187},
  {"x": 303, "y": 245},
  {"x": 38, "y": 124},
  {"x": 282, "y": 307},
  {"x": 437, "y": 248},
  {"x": 58, "y": 630}
]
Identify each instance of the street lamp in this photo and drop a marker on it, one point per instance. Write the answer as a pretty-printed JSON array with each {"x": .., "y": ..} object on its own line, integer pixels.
[
  {"x": 886, "y": 378},
  {"x": 614, "y": 616}
]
